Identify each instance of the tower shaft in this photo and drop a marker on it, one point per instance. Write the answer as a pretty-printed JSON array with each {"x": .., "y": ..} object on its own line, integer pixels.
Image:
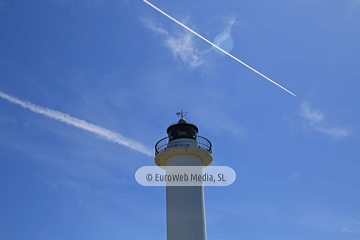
[{"x": 185, "y": 210}]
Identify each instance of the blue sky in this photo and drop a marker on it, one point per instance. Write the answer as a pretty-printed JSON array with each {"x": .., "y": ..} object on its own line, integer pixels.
[{"x": 119, "y": 71}]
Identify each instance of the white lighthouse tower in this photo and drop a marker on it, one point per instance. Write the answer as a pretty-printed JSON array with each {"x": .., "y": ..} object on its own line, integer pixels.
[{"x": 185, "y": 208}]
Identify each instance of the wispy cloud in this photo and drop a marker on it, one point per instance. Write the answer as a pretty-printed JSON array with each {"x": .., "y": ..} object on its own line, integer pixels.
[
  {"x": 355, "y": 3},
  {"x": 92, "y": 4},
  {"x": 4, "y": 6},
  {"x": 220, "y": 121},
  {"x": 66, "y": 118},
  {"x": 181, "y": 44},
  {"x": 64, "y": 183},
  {"x": 225, "y": 39},
  {"x": 6, "y": 120},
  {"x": 77, "y": 187},
  {"x": 295, "y": 175},
  {"x": 250, "y": 211},
  {"x": 214, "y": 45},
  {"x": 314, "y": 121},
  {"x": 353, "y": 227},
  {"x": 326, "y": 219}
]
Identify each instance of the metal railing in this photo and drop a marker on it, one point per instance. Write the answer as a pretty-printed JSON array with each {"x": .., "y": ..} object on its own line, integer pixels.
[{"x": 200, "y": 142}]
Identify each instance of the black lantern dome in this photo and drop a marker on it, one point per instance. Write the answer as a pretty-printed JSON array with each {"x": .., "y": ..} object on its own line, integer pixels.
[{"x": 182, "y": 129}]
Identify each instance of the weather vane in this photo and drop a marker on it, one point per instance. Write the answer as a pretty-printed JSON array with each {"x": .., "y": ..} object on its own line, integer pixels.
[{"x": 182, "y": 114}]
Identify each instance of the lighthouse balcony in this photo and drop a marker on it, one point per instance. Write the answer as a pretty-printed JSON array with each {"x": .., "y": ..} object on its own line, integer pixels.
[{"x": 197, "y": 143}]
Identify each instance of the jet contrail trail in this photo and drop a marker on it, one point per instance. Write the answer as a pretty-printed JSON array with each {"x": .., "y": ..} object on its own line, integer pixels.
[
  {"x": 66, "y": 118},
  {"x": 214, "y": 45}
]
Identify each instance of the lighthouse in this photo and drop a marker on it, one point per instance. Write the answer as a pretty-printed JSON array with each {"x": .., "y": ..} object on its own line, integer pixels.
[{"x": 185, "y": 208}]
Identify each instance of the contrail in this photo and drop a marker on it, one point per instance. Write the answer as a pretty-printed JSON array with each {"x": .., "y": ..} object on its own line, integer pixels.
[
  {"x": 66, "y": 118},
  {"x": 214, "y": 45}
]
